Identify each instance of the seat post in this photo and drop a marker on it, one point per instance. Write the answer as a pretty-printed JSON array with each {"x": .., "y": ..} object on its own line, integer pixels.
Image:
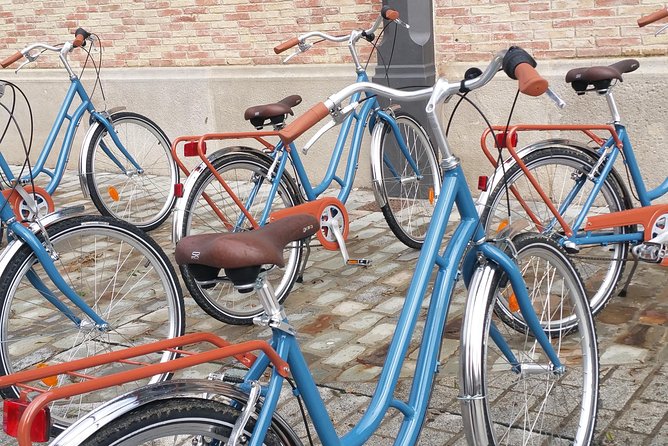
[
  {"x": 616, "y": 119},
  {"x": 273, "y": 311}
]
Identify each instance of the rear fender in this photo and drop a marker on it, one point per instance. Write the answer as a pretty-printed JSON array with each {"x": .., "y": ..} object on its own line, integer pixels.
[{"x": 220, "y": 391}]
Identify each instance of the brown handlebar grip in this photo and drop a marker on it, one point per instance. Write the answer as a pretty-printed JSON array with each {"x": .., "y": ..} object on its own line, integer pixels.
[
  {"x": 278, "y": 49},
  {"x": 304, "y": 122},
  {"x": 11, "y": 59},
  {"x": 78, "y": 40},
  {"x": 653, "y": 17},
  {"x": 391, "y": 14},
  {"x": 530, "y": 82}
]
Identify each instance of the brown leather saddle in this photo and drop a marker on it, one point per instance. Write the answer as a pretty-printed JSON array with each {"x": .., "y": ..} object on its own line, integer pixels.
[
  {"x": 242, "y": 254},
  {"x": 599, "y": 78},
  {"x": 261, "y": 115}
]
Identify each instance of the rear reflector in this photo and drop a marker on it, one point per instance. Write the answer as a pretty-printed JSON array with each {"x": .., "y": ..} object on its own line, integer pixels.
[
  {"x": 178, "y": 190},
  {"x": 190, "y": 148},
  {"x": 13, "y": 409},
  {"x": 502, "y": 142},
  {"x": 483, "y": 181}
]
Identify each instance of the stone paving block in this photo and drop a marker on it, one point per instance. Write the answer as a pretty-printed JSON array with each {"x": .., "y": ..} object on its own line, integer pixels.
[
  {"x": 643, "y": 416},
  {"x": 656, "y": 390},
  {"x": 377, "y": 334},
  {"x": 619, "y": 392}
]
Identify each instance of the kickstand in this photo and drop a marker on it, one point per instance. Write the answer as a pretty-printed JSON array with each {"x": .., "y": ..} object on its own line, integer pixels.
[
  {"x": 622, "y": 292},
  {"x": 307, "y": 254}
]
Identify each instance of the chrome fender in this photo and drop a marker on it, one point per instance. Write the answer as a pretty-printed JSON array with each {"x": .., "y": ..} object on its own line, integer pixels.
[
  {"x": 525, "y": 151},
  {"x": 472, "y": 358},
  {"x": 179, "y": 216},
  {"x": 8, "y": 253},
  {"x": 377, "y": 164},
  {"x": 220, "y": 391},
  {"x": 85, "y": 148}
]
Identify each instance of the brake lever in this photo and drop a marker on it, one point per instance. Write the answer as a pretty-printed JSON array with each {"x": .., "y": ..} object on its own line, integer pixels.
[
  {"x": 556, "y": 98},
  {"x": 661, "y": 30},
  {"x": 325, "y": 128},
  {"x": 29, "y": 58},
  {"x": 337, "y": 119},
  {"x": 404, "y": 24},
  {"x": 302, "y": 47}
]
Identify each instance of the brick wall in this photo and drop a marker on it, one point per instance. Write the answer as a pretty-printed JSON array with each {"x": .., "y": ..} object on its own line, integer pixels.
[{"x": 243, "y": 32}]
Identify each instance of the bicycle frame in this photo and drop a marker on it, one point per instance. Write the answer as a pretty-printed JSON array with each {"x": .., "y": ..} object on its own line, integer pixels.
[
  {"x": 76, "y": 89},
  {"x": 282, "y": 155},
  {"x": 454, "y": 191}
]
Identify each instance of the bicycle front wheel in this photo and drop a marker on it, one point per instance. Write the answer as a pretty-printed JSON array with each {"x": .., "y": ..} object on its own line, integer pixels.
[
  {"x": 142, "y": 194},
  {"x": 410, "y": 186},
  {"x": 209, "y": 208},
  {"x": 120, "y": 273},
  {"x": 512, "y": 394},
  {"x": 561, "y": 172},
  {"x": 178, "y": 421}
]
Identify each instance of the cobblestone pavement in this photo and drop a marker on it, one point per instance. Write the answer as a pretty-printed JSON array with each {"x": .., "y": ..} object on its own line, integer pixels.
[{"x": 345, "y": 317}]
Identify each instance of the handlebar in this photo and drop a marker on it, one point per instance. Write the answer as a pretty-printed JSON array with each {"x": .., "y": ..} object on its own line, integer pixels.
[
  {"x": 653, "y": 17},
  {"x": 515, "y": 61},
  {"x": 385, "y": 13},
  {"x": 80, "y": 37}
]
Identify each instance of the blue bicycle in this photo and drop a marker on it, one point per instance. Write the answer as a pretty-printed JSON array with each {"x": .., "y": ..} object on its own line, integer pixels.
[
  {"x": 531, "y": 387},
  {"x": 125, "y": 165},
  {"x": 405, "y": 180}
]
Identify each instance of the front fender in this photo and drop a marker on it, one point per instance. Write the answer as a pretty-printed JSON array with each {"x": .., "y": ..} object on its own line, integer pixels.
[
  {"x": 377, "y": 163},
  {"x": 525, "y": 151},
  {"x": 86, "y": 147},
  {"x": 8, "y": 253},
  {"x": 220, "y": 391},
  {"x": 83, "y": 154},
  {"x": 179, "y": 216}
]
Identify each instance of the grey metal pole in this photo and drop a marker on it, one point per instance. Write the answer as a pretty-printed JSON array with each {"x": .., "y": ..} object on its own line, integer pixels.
[{"x": 406, "y": 56}]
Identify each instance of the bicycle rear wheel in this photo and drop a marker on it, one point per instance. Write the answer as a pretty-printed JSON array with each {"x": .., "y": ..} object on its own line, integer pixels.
[
  {"x": 118, "y": 189},
  {"x": 246, "y": 174},
  {"x": 522, "y": 399},
  {"x": 178, "y": 421},
  {"x": 409, "y": 198},
  {"x": 120, "y": 273},
  {"x": 559, "y": 171}
]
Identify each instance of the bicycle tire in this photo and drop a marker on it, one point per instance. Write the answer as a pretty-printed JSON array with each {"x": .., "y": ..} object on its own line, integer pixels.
[
  {"x": 242, "y": 171},
  {"x": 179, "y": 419},
  {"x": 409, "y": 201},
  {"x": 144, "y": 199},
  {"x": 530, "y": 402},
  {"x": 121, "y": 273},
  {"x": 554, "y": 168}
]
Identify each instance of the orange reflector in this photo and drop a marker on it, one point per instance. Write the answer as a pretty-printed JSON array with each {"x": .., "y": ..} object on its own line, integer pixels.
[
  {"x": 113, "y": 193},
  {"x": 431, "y": 195},
  {"x": 50, "y": 381},
  {"x": 513, "y": 305},
  {"x": 12, "y": 411},
  {"x": 502, "y": 226}
]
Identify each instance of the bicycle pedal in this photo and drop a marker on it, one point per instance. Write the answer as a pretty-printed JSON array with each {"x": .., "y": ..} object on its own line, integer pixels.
[
  {"x": 358, "y": 262},
  {"x": 232, "y": 376}
]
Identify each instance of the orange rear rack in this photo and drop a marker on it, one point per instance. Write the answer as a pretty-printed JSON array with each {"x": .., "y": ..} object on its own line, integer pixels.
[
  {"x": 222, "y": 349},
  {"x": 201, "y": 144},
  {"x": 511, "y": 136}
]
